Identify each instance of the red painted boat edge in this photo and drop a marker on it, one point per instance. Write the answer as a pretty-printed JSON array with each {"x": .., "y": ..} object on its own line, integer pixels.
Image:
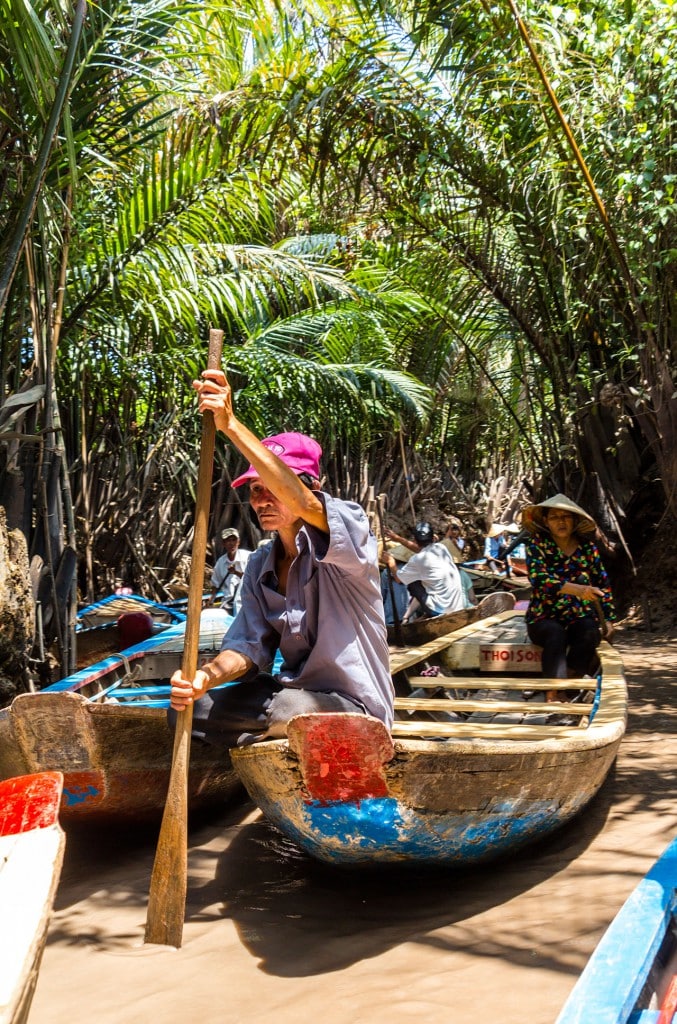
[{"x": 28, "y": 802}]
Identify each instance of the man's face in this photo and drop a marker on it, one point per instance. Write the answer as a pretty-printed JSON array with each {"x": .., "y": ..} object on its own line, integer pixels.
[
  {"x": 271, "y": 513},
  {"x": 231, "y": 545}
]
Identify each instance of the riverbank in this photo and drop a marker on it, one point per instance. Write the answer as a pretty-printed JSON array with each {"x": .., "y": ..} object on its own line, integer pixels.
[{"x": 271, "y": 934}]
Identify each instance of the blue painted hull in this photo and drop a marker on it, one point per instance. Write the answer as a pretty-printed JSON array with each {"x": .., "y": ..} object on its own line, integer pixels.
[
  {"x": 448, "y": 802},
  {"x": 625, "y": 974},
  {"x": 384, "y": 831}
]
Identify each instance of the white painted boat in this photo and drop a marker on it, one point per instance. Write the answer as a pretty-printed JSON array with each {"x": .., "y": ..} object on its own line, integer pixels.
[{"x": 31, "y": 853}]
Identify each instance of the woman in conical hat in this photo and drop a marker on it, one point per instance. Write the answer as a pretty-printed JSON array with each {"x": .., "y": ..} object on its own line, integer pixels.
[
  {"x": 571, "y": 602},
  {"x": 534, "y": 517}
]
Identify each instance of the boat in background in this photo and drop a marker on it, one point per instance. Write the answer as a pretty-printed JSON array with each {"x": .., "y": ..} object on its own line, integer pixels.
[
  {"x": 105, "y": 727},
  {"x": 484, "y": 581},
  {"x": 478, "y": 764},
  {"x": 31, "y": 854},
  {"x": 110, "y": 625},
  {"x": 631, "y": 978},
  {"x": 419, "y": 631}
]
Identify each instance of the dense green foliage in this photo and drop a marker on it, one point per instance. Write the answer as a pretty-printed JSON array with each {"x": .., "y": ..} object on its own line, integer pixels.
[{"x": 378, "y": 203}]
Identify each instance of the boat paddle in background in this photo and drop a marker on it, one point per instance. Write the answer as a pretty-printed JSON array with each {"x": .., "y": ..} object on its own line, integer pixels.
[
  {"x": 391, "y": 585},
  {"x": 168, "y": 885},
  {"x": 584, "y": 581}
]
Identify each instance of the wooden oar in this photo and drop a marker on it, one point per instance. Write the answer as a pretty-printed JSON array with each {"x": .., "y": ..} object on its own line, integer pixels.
[
  {"x": 391, "y": 584},
  {"x": 597, "y": 605},
  {"x": 168, "y": 885}
]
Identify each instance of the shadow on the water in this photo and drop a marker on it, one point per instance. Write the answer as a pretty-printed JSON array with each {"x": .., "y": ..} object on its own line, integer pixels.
[
  {"x": 299, "y": 917},
  {"x": 93, "y": 850},
  {"x": 296, "y": 916}
]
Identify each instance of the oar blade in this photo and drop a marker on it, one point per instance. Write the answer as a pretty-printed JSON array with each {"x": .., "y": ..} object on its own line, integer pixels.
[{"x": 169, "y": 879}]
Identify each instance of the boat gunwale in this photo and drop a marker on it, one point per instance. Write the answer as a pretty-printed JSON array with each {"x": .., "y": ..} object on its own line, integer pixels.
[{"x": 606, "y": 988}]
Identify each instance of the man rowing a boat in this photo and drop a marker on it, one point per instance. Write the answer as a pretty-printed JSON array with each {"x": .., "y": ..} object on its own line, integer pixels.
[{"x": 313, "y": 595}]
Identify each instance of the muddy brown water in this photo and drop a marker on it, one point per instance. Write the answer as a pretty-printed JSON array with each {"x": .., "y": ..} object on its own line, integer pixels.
[{"x": 270, "y": 934}]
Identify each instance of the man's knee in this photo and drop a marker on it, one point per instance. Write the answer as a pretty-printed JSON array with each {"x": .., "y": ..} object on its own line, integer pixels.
[{"x": 290, "y": 702}]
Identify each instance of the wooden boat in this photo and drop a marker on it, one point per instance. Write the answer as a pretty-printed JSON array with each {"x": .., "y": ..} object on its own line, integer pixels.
[
  {"x": 31, "y": 854},
  {"x": 485, "y": 581},
  {"x": 419, "y": 631},
  {"x": 105, "y": 728},
  {"x": 631, "y": 978},
  {"x": 96, "y": 629},
  {"x": 478, "y": 764}
]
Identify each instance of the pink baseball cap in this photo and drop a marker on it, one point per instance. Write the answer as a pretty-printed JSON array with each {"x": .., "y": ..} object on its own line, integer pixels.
[{"x": 298, "y": 451}]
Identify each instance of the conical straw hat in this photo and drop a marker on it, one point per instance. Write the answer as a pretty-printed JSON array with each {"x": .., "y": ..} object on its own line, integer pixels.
[
  {"x": 398, "y": 551},
  {"x": 533, "y": 516}
]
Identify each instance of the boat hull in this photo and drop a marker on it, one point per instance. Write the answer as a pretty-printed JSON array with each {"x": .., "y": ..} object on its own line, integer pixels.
[
  {"x": 31, "y": 856},
  {"x": 97, "y": 631},
  {"x": 419, "y": 631},
  {"x": 115, "y": 758},
  {"x": 105, "y": 728},
  {"x": 632, "y": 974},
  {"x": 475, "y": 771},
  {"x": 442, "y": 802}
]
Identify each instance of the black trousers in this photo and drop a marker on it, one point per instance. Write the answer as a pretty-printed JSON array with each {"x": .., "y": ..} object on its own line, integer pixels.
[
  {"x": 258, "y": 709},
  {"x": 567, "y": 648},
  {"x": 417, "y": 590}
]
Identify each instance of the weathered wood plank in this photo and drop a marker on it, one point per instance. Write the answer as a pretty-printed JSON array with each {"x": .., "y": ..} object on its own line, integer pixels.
[
  {"x": 504, "y": 683},
  {"x": 507, "y": 731},
  {"x": 491, "y": 706},
  {"x": 405, "y": 657}
]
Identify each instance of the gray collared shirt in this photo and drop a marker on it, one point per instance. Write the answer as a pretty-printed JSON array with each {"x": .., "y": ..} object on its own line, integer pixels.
[{"x": 330, "y": 627}]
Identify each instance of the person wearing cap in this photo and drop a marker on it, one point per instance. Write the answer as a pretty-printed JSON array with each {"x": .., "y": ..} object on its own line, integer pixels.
[
  {"x": 310, "y": 600},
  {"x": 571, "y": 603},
  {"x": 228, "y": 571},
  {"x": 430, "y": 575}
]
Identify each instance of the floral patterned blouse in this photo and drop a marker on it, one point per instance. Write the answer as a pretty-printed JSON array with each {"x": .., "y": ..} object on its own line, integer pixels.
[{"x": 549, "y": 568}]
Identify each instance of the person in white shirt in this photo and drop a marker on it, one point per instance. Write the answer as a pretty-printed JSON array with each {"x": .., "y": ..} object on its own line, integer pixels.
[
  {"x": 228, "y": 571},
  {"x": 431, "y": 575}
]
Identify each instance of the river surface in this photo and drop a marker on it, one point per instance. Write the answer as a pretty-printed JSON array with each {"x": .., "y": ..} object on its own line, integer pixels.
[{"x": 271, "y": 935}]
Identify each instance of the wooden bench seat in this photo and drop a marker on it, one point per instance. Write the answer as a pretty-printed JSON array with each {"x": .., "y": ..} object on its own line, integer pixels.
[
  {"x": 489, "y": 731},
  {"x": 498, "y": 683},
  {"x": 405, "y": 657},
  {"x": 491, "y": 706}
]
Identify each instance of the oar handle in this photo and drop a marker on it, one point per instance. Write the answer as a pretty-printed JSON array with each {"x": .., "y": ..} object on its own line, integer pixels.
[
  {"x": 169, "y": 882},
  {"x": 202, "y": 504},
  {"x": 583, "y": 581}
]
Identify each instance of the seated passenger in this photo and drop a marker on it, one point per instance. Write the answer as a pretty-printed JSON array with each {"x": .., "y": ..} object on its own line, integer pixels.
[
  {"x": 431, "y": 575},
  {"x": 495, "y": 544},
  {"x": 571, "y": 604},
  {"x": 454, "y": 542}
]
